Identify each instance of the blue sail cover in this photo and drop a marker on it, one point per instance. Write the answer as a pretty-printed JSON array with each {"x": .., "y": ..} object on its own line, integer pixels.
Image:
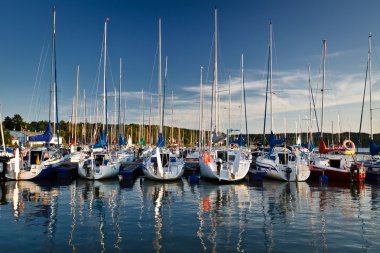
[
  {"x": 238, "y": 141},
  {"x": 46, "y": 136},
  {"x": 121, "y": 141},
  {"x": 373, "y": 148},
  {"x": 308, "y": 146},
  {"x": 102, "y": 142},
  {"x": 161, "y": 141},
  {"x": 274, "y": 142}
]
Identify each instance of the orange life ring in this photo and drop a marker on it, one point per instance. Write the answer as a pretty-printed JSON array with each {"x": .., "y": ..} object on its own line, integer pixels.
[{"x": 349, "y": 145}]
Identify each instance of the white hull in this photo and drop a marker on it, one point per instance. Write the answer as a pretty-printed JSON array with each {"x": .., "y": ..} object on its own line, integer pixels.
[
  {"x": 292, "y": 171},
  {"x": 230, "y": 170},
  {"x": 89, "y": 169},
  {"x": 154, "y": 168},
  {"x": 17, "y": 169}
]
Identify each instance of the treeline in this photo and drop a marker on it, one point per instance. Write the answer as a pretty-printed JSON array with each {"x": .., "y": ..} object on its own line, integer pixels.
[{"x": 87, "y": 133}]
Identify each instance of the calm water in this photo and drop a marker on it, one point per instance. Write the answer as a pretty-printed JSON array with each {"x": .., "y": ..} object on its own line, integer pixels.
[{"x": 146, "y": 216}]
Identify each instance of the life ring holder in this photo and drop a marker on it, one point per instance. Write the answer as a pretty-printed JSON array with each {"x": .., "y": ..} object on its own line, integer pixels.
[{"x": 349, "y": 145}]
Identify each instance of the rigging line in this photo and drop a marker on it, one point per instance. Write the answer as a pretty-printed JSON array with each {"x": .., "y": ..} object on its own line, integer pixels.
[
  {"x": 96, "y": 83},
  {"x": 315, "y": 96},
  {"x": 274, "y": 52},
  {"x": 110, "y": 69},
  {"x": 313, "y": 100},
  {"x": 361, "y": 115},
  {"x": 40, "y": 79},
  {"x": 36, "y": 79},
  {"x": 153, "y": 68},
  {"x": 209, "y": 60}
]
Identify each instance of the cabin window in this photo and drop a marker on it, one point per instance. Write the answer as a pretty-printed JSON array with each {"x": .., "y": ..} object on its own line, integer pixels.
[
  {"x": 98, "y": 160},
  {"x": 222, "y": 155},
  {"x": 282, "y": 158},
  {"x": 335, "y": 163},
  {"x": 231, "y": 158},
  {"x": 35, "y": 157},
  {"x": 291, "y": 158}
]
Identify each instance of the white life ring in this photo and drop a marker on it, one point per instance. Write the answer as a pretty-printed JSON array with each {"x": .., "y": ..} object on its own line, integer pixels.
[{"x": 349, "y": 145}]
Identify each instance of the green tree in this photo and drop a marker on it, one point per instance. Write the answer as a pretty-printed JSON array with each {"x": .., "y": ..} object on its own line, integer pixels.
[
  {"x": 7, "y": 138},
  {"x": 17, "y": 122},
  {"x": 8, "y": 123}
]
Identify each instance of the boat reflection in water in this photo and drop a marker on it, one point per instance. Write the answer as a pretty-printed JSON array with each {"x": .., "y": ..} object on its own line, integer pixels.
[
  {"x": 151, "y": 216},
  {"x": 223, "y": 216},
  {"x": 158, "y": 211},
  {"x": 98, "y": 210}
]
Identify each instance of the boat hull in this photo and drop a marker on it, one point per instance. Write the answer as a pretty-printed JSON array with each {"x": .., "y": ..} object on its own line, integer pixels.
[
  {"x": 233, "y": 166},
  {"x": 336, "y": 174},
  {"x": 89, "y": 170},
  {"x": 295, "y": 172}
]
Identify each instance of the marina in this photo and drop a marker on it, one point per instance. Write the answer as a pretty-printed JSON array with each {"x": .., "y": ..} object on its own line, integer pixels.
[{"x": 215, "y": 126}]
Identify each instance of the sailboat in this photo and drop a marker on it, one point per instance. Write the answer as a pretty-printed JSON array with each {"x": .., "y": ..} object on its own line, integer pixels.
[
  {"x": 162, "y": 164},
  {"x": 372, "y": 163},
  {"x": 332, "y": 162},
  {"x": 101, "y": 164},
  {"x": 41, "y": 162},
  {"x": 281, "y": 162},
  {"x": 221, "y": 163}
]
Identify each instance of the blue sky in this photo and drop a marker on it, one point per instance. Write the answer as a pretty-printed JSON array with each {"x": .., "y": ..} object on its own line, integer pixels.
[{"x": 187, "y": 33}]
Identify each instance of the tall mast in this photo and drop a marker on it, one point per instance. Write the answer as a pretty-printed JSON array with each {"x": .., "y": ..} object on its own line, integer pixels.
[
  {"x": 323, "y": 79},
  {"x": 171, "y": 130},
  {"x": 119, "y": 121},
  {"x": 229, "y": 112},
  {"x": 309, "y": 137},
  {"x": 370, "y": 82},
  {"x": 216, "y": 71},
  {"x": 115, "y": 115},
  {"x": 269, "y": 82},
  {"x": 200, "y": 111},
  {"x": 52, "y": 83},
  {"x": 241, "y": 95},
  {"x": 72, "y": 120},
  {"x": 159, "y": 75},
  {"x": 104, "y": 78},
  {"x": 54, "y": 70},
  {"x": 143, "y": 116},
  {"x": 85, "y": 118},
  {"x": 214, "y": 101},
  {"x": 76, "y": 106},
  {"x": 245, "y": 104},
  {"x": 270, "y": 75},
  {"x": 150, "y": 126}
]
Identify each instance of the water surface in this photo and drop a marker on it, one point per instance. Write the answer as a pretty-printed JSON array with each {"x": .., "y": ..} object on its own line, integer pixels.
[{"x": 148, "y": 216}]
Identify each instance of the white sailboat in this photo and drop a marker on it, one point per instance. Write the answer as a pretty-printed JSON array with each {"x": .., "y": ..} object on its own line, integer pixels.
[
  {"x": 281, "y": 162},
  {"x": 162, "y": 164},
  {"x": 42, "y": 161},
  {"x": 223, "y": 164},
  {"x": 103, "y": 164}
]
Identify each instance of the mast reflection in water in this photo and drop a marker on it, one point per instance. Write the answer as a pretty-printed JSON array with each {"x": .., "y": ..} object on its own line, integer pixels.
[{"x": 150, "y": 216}]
